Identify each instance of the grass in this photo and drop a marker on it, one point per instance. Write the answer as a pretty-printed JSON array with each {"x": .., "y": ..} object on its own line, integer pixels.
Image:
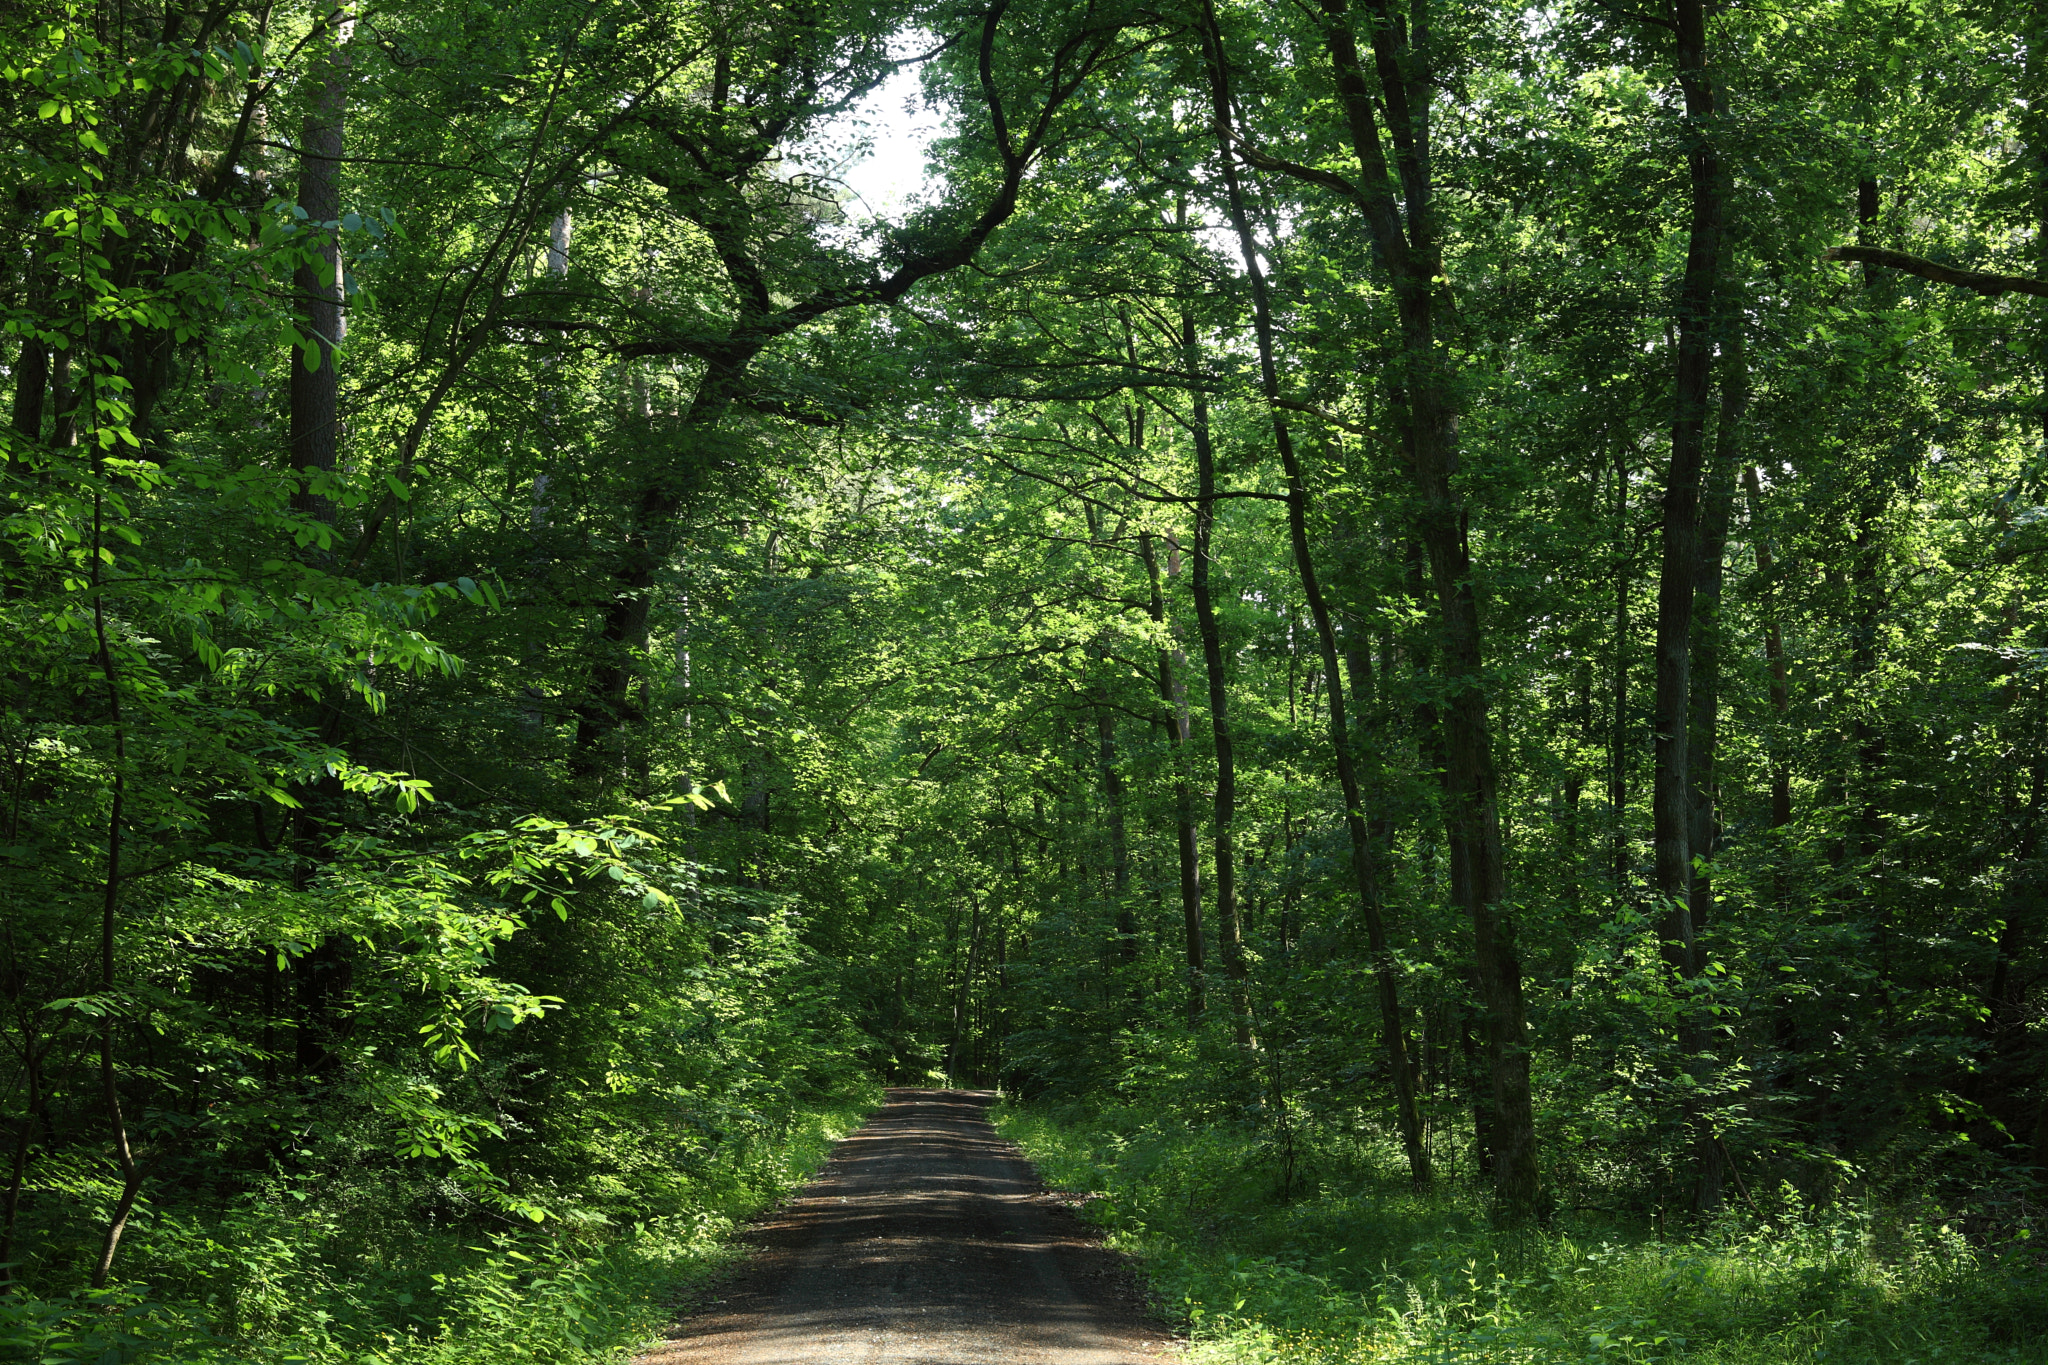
[
  {"x": 341, "y": 1282},
  {"x": 1358, "y": 1268}
]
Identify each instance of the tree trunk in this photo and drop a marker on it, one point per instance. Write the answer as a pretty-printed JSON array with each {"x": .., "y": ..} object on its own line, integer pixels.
[
  {"x": 2026, "y": 895},
  {"x": 1703, "y": 725},
  {"x": 1679, "y": 571},
  {"x": 964, "y": 995},
  {"x": 316, "y": 392},
  {"x": 2034, "y": 128},
  {"x": 1174, "y": 697},
  {"x": 1119, "y": 842},
  {"x": 559, "y": 232},
  {"x": 1229, "y": 939},
  {"x": 1393, "y": 1025},
  {"x": 1404, "y": 234},
  {"x": 110, "y": 904},
  {"x": 607, "y": 705},
  {"x": 1619, "y": 746},
  {"x": 31, "y": 373},
  {"x": 63, "y": 403},
  {"x": 1869, "y": 591}
]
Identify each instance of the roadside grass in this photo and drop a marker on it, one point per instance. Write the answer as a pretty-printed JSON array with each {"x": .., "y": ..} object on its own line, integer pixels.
[
  {"x": 350, "y": 1279},
  {"x": 1359, "y": 1269}
]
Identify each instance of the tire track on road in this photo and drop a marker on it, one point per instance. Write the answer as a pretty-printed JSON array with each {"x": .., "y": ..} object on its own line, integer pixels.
[{"x": 926, "y": 1240}]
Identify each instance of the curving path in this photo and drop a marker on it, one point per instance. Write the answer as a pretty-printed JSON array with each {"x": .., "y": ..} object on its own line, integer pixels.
[{"x": 926, "y": 1240}]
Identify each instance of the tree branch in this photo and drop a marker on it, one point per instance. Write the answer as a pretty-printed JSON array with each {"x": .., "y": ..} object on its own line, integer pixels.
[{"x": 1979, "y": 281}]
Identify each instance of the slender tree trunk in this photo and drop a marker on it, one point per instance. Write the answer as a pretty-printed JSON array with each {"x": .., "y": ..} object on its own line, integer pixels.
[
  {"x": 607, "y": 704},
  {"x": 32, "y": 369},
  {"x": 316, "y": 392},
  {"x": 110, "y": 904},
  {"x": 1868, "y": 588},
  {"x": 2034, "y": 129},
  {"x": 559, "y": 233},
  {"x": 2004, "y": 1022},
  {"x": 63, "y": 403},
  {"x": 1703, "y": 836},
  {"x": 1404, "y": 233},
  {"x": 1619, "y": 746},
  {"x": 1229, "y": 938},
  {"x": 2026, "y": 896},
  {"x": 1119, "y": 842},
  {"x": 1703, "y": 724},
  {"x": 1174, "y": 697},
  {"x": 964, "y": 995},
  {"x": 1485, "y": 1142},
  {"x": 1864, "y": 781},
  {"x": 1672, "y": 783},
  {"x": 1869, "y": 750},
  {"x": 1680, "y": 521},
  {"x": 1393, "y": 1024},
  {"x": 31, "y": 385},
  {"x": 1364, "y": 862}
]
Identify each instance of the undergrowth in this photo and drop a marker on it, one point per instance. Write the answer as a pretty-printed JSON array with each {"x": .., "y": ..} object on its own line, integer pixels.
[
  {"x": 1358, "y": 1268},
  {"x": 351, "y": 1276}
]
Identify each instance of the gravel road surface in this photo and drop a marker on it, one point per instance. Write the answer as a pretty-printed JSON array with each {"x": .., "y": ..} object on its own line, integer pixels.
[{"x": 926, "y": 1240}]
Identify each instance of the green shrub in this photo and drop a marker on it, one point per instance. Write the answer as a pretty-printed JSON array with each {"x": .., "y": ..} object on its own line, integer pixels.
[{"x": 341, "y": 1279}]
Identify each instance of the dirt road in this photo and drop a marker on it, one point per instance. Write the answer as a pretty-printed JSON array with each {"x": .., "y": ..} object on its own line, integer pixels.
[{"x": 924, "y": 1241}]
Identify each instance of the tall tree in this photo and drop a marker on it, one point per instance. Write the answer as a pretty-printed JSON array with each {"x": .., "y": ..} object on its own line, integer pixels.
[
  {"x": 1395, "y": 198},
  {"x": 1365, "y": 872},
  {"x": 711, "y": 152}
]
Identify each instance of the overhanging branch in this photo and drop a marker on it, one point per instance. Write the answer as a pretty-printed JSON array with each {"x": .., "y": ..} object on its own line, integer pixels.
[{"x": 1978, "y": 281}]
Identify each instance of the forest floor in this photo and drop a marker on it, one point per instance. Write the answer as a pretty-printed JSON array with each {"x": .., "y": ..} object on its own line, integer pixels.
[{"x": 927, "y": 1239}]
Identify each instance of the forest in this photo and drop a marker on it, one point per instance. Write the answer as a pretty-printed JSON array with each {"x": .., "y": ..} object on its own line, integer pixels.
[{"x": 1417, "y": 624}]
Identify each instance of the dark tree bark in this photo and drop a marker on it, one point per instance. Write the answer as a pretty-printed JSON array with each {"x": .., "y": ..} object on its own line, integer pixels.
[
  {"x": 2031, "y": 893},
  {"x": 316, "y": 392},
  {"x": 32, "y": 1113},
  {"x": 1703, "y": 722},
  {"x": 31, "y": 373},
  {"x": 1978, "y": 281},
  {"x": 1679, "y": 571},
  {"x": 2026, "y": 900},
  {"x": 1871, "y": 596},
  {"x": 1863, "y": 776},
  {"x": 63, "y": 404}
]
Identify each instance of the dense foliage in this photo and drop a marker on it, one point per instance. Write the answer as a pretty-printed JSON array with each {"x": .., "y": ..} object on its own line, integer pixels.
[{"x": 1425, "y": 614}]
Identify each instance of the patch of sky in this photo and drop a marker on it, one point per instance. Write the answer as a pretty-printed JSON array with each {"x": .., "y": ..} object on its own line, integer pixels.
[{"x": 873, "y": 157}]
